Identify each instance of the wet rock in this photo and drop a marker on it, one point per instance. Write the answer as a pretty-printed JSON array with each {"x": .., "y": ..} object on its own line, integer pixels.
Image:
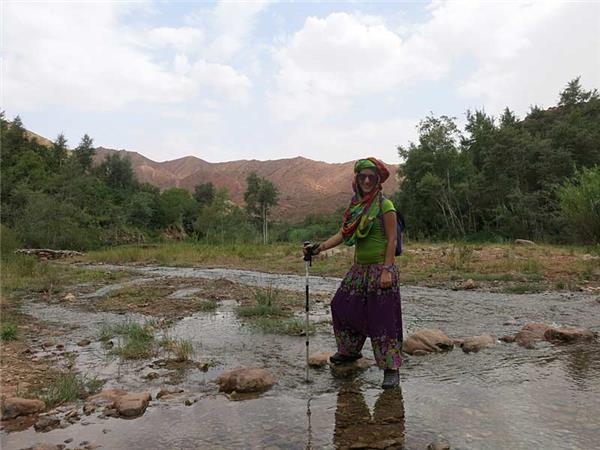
[
  {"x": 534, "y": 332},
  {"x": 15, "y": 407},
  {"x": 568, "y": 335},
  {"x": 110, "y": 412},
  {"x": 427, "y": 341},
  {"x": 132, "y": 405},
  {"x": 524, "y": 242},
  {"x": 245, "y": 379},
  {"x": 68, "y": 441},
  {"x": 508, "y": 339},
  {"x": 106, "y": 397},
  {"x": 188, "y": 402},
  {"x": 84, "y": 342},
  {"x": 530, "y": 333},
  {"x": 46, "y": 423},
  {"x": 44, "y": 446},
  {"x": 349, "y": 368},
  {"x": 439, "y": 445},
  {"x": 319, "y": 359},
  {"x": 168, "y": 393},
  {"x": 465, "y": 285},
  {"x": 151, "y": 376},
  {"x": 476, "y": 343}
]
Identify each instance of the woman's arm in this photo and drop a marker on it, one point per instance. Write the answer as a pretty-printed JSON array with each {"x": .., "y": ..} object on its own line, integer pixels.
[
  {"x": 333, "y": 241},
  {"x": 389, "y": 223}
]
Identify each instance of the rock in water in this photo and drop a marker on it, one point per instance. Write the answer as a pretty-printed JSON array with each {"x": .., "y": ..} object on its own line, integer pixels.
[
  {"x": 349, "y": 368},
  {"x": 476, "y": 343},
  {"x": 245, "y": 379},
  {"x": 427, "y": 341},
  {"x": 320, "y": 359},
  {"x": 569, "y": 335},
  {"x": 46, "y": 423},
  {"x": 14, "y": 407},
  {"x": 132, "y": 405}
]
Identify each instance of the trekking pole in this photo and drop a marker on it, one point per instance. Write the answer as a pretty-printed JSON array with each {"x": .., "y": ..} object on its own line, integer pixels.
[{"x": 307, "y": 263}]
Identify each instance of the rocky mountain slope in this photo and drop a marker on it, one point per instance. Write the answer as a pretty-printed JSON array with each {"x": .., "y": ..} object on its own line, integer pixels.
[{"x": 305, "y": 186}]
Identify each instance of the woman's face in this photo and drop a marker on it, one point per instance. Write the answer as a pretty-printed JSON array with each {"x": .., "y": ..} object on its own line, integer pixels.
[{"x": 367, "y": 180}]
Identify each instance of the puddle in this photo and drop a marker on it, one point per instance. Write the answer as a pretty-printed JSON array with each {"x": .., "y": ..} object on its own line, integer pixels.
[{"x": 503, "y": 397}]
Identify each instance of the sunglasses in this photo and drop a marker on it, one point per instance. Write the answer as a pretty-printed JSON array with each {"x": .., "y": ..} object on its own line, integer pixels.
[{"x": 362, "y": 177}]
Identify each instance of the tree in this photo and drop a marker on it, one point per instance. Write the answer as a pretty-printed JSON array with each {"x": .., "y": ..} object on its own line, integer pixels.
[
  {"x": 84, "y": 153},
  {"x": 59, "y": 150},
  {"x": 204, "y": 193},
  {"x": 580, "y": 202},
  {"x": 574, "y": 94},
  {"x": 117, "y": 172},
  {"x": 260, "y": 195}
]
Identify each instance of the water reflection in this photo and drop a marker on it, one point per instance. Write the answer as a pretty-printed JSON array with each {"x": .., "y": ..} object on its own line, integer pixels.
[{"x": 357, "y": 428}]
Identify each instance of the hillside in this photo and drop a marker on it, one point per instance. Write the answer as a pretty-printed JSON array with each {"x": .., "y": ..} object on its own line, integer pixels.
[{"x": 305, "y": 186}]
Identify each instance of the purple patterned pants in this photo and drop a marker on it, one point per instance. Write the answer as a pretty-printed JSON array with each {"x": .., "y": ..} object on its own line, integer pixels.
[{"x": 361, "y": 309}]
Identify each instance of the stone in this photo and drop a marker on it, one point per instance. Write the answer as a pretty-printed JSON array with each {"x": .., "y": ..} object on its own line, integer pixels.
[
  {"x": 568, "y": 335},
  {"x": 15, "y": 406},
  {"x": 151, "y": 376},
  {"x": 45, "y": 446},
  {"x": 245, "y": 379},
  {"x": 84, "y": 342},
  {"x": 533, "y": 332},
  {"x": 167, "y": 393},
  {"x": 69, "y": 297},
  {"x": 439, "y": 445},
  {"x": 132, "y": 405},
  {"x": 524, "y": 242},
  {"x": 508, "y": 339},
  {"x": 46, "y": 423},
  {"x": 530, "y": 333},
  {"x": 89, "y": 408},
  {"x": 476, "y": 343},
  {"x": 106, "y": 397},
  {"x": 349, "y": 368},
  {"x": 427, "y": 341},
  {"x": 319, "y": 359}
]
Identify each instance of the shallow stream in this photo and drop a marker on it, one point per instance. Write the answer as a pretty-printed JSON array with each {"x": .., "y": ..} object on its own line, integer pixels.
[{"x": 505, "y": 397}]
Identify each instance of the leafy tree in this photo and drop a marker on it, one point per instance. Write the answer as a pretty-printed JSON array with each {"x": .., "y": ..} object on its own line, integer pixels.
[
  {"x": 260, "y": 196},
  {"x": 178, "y": 209},
  {"x": 574, "y": 94},
  {"x": 117, "y": 173},
  {"x": 84, "y": 153},
  {"x": 59, "y": 150},
  {"x": 580, "y": 202},
  {"x": 204, "y": 193}
]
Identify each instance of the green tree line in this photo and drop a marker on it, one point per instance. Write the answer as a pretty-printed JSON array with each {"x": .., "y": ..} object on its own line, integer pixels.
[
  {"x": 535, "y": 178},
  {"x": 56, "y": 197}
]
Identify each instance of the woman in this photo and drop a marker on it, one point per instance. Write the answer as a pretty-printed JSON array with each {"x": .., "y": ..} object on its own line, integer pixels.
[{"x": 367, "y": 303}]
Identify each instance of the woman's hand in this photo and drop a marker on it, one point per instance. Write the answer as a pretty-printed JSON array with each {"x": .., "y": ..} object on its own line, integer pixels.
[{"x": 386, "y": 279}]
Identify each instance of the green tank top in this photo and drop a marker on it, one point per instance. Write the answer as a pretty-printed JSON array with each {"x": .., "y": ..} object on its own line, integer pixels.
[{"x": 371, "y": 248}]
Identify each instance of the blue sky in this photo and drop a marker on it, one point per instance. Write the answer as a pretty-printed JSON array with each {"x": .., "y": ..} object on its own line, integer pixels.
[{"x": 331, "y": 81}]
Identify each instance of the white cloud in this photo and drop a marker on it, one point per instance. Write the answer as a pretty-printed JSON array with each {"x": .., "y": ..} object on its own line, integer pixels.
[
  {"x": 523, "y": 52},
  {"x": 85, "y": 58},
  {"x": 330, "y": 61}
]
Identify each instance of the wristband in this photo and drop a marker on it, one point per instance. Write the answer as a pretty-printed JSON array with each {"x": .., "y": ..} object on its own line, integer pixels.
[{"x": 391, "y": 268}]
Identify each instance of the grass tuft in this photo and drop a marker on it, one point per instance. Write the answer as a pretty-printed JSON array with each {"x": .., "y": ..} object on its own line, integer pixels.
[
  {"x": 9, "y": 331},
  {"x": 68, "y": 387}
]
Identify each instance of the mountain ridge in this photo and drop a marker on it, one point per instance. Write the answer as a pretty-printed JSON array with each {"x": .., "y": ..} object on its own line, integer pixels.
[{"x": 305, "y": 186}]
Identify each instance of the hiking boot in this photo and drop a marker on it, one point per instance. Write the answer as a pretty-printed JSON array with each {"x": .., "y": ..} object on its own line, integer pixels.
[
  {"x": 338, "y": 358},
  {"x": 391, "y": 378}
]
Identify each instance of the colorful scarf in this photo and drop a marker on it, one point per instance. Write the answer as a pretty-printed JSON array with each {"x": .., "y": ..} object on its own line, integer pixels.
[{"x": 363, "y": 210}]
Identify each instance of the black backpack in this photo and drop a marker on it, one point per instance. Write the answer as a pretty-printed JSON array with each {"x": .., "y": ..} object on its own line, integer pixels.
[{"x": 400, "y": 226}]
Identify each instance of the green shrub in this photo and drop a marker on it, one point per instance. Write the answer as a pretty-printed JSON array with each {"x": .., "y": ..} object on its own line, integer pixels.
[
  {"x": 9, "y": 331},
  {"x": 580, "y": 203}
]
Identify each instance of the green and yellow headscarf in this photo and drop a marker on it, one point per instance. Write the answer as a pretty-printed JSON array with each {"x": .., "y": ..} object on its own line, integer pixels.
[{"x": 363, "y": 209}]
